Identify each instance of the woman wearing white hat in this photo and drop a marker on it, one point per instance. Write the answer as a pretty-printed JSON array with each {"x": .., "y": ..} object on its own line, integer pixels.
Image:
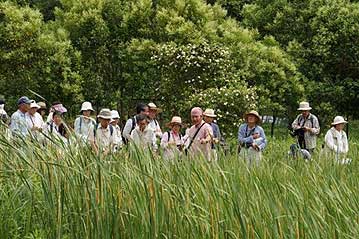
[
  {"x": 35, "y": 121},
  {"x": 306, "y": 127},
  {"x": 251, "y": 139},
  {"x": 84, "y": 122},
  {"x": 115, "y": 117},
  {"x": 172, "y": 141},
  {"x": 336, "y": 141},
  {"x": 209, "y": 116}
]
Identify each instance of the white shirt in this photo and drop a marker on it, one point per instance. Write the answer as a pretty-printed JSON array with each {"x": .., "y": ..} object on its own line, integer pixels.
[
  {"x": 118, "y": 138},
  {"x": 128, "y": 126},
  {"x": 337, "y": 141},
  {"x": 170, "y": 151},
  {"x": 155, "y": 126},
  {"x": 102, "y": 137},
  {"x": 83, "y": 126},
  {"x": 145, "y": 138},
  {"x": 35, "y": 121}
]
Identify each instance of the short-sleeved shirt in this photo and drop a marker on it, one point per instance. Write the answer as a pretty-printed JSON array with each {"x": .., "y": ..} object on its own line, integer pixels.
[
  {"x": 197, "y": 148},
  {"x": 102, "y": 136}
]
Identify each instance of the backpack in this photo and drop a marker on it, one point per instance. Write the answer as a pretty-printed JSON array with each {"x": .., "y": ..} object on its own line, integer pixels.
[
  {"x": 124, "y": 140},
  {"x": 96, "y": 127}
]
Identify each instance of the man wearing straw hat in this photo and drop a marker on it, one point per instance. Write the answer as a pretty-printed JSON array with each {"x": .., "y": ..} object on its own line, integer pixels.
[
  {"x": 306, "y": 127},
  {"x": 172, "y": 141},
  {"x": 198, "y": 138},
  {"x": 102, "y": 136},
  {"x": 84, "y": 122},
  {"x": 153, "y": 111},
  {"x": 209, "y": 116},
  {"x": 18, "y": 123},
  {"x": 251, "y": 138},
  {"x": 336, "y": 141},
  {"x": 35, "y": 121}
]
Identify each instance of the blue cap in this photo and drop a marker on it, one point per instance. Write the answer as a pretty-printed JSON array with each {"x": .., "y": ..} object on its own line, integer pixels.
[{"x": 23, "y": 100}]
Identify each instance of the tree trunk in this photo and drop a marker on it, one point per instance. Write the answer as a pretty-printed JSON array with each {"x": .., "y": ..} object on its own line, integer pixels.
[{"x": 272, "y": 126}]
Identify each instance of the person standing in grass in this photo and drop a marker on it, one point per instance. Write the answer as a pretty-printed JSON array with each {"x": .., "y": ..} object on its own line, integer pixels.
[
  {"x": 251, "y": 138},
  {"x": 153, "y": 111},
  {"x": 143, "y": 136},
  {"x": 84, "y": 122},
  {"x": 42, "y": 110},
  {"x": 57, "y": 128},
  {"x": 115, "y": 118},
  {"x": 306, "y": 127},
  {"x": 141, "y": 109},
  {"x": 199, "y": 136},
  {"x": 35, "y": 122},
  {"x": 172, "y": 141},
  {"x": 102, "y": 137},
  {"x": 336, "y": 141},
  {"x": 209, "y": 116},
  {"x": 18, "y": 122}
]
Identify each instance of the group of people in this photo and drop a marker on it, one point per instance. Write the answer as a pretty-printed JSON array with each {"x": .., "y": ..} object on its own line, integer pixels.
[{"x": 143, "y": 130}]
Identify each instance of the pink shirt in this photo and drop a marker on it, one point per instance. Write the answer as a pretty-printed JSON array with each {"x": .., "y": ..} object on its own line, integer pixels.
[{"x": 197, "y": 148}]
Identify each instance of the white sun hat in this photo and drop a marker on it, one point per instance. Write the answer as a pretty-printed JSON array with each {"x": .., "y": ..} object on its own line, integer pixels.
[
  {"x": 339, "y": 120},
  {"x": 115, "y": 114},
  {"x": 304, "y": 106},
  {"x": 209, "y": 113},
  {"x": 104, "y": 114},
  {"x": 34, "y": 105},
  {"x": 86, "y": 106}
]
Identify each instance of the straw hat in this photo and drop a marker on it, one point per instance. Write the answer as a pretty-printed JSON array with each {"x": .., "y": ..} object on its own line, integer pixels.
[
  {"x": 34, "y": 105},
  {"x": 105, "y": 114},
  {"x": 176, "y": 120},
  {"x": 152, "y": 106},
  {"x": 339, "y": 120},
  {"x": 304, "y": 106},
  {"x": 209, "y": 113},
  {"x": 86, "y": 106},
  {"x": 254, "y": 113},
  {"x": 42, "y": 105}
]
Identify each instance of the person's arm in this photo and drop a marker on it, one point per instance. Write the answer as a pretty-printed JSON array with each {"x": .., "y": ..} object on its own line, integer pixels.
[
  {"x": 158, "y": 130},
  {"x": 77, "y": 126},
  {"x": 164, "y": 141},
  {"x": 263, "y": 142},
  {"x": 295, "y": 124},
  {"x": 127, "y": 129},
  {"x": 329, "y": 141},
  {"x": 345, "y": 143},
  {"x": 315, "y": 128},
  {"x": 242, "y": 139}
]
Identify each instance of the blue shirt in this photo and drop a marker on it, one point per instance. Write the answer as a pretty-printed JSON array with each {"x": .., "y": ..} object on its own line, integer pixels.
[
  {"x": 245, "y": 135},
  {"x": 18, "y": 124}
]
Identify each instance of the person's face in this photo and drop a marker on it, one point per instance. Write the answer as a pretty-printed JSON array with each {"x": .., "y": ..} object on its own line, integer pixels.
[
  {"x": 305, "y": 113},
  {"x": 114, "y": 122},
  {"x": 57, "y": 119},
  {"x": 251, "y": 119},
  {"x": 176, "y": 128},
  {"x": 86, "y": 113},
  {"x": 104, "y": 122},
  {"x": 339, "y": 127},
  {"x": 208, "y": 119},
  {"x": 32, "y": 111},
  {"x": 24, "y": 107},
  {"x": 145, "y": 111},
  {"x": 42, "y": 112},
  {"x": 152, "y": 114},
  {"x": 196, "y": 119},
  {"x": 142, "y": 124}
]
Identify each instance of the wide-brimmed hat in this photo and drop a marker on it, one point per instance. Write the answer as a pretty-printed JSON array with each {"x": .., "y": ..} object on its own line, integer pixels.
[
  {"x": 86, "y": 106},
  {"x": 152, "y": 106},
  {"x": 339, "y": 120},
  {"x": 115, "y": 114},
  {"x": 304, "y": 106},
  {"x": 34, "y": 105},
  {"x": 42, "y": 105},
  {"x": 104, "y": 114},
  {"x": 209, "y": 113},
  {"x": 176, "y": 120},
  {"x": 59, "y": 108},
  {"x": 254, "y": 113},
  {"x": 24, "y": 100}
]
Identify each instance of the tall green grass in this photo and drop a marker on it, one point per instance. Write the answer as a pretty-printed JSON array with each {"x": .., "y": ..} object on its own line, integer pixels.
[{"x": 71, "y": 193}]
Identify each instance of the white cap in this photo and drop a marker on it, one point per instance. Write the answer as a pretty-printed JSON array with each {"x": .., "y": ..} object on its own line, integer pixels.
[
  {"x": 115, "y": 114},
  {"x": 34, "y": 105},
  {"x": 86, "y": 106},
  {"x": 339, "y": 120}
]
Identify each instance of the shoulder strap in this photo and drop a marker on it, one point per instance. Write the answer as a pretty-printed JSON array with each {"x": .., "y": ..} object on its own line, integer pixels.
[
  {"x": 80, "y": 123},
  {"x": 111, "y": 129},
  {"x": 195, "y": 135},
  {"x": 133, "y": 124},
  {"x": 169, "y": 135},
  {"x": 95, "y": 130}
]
